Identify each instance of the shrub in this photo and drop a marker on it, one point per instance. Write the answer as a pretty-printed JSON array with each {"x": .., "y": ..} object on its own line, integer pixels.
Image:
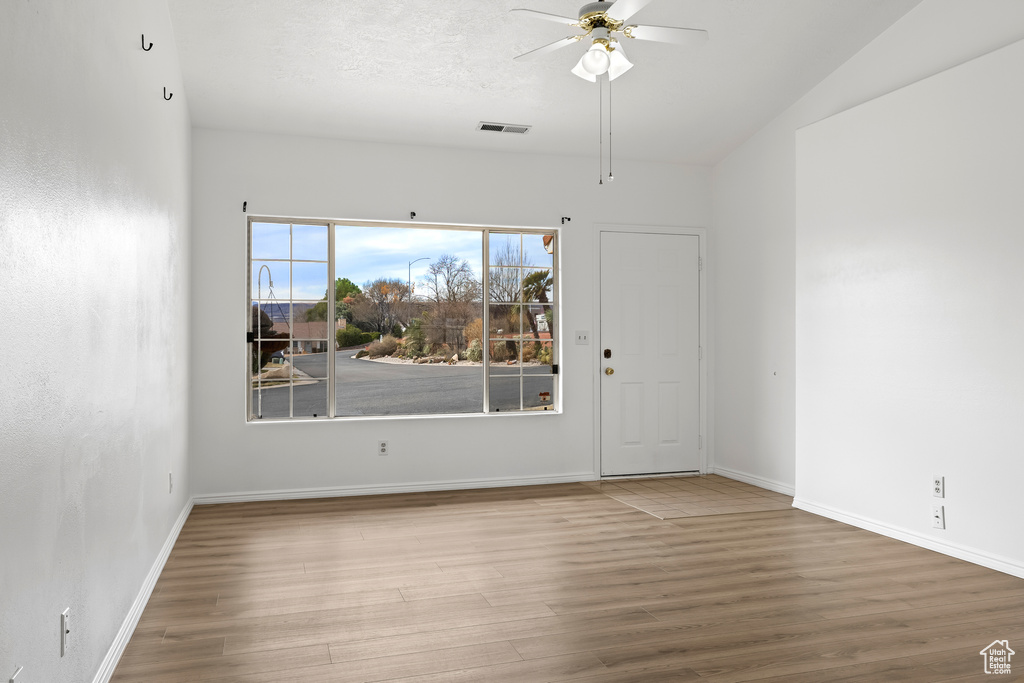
[
  {"x": 368, "y": 337},
  {"x": 545, "y": 355},
  {"x": 385, "y": 347},
  {"x": 474, "y": 330},
  {"x": 475, "y": 352},
  {"x": 362, "y": 353},
  {"x": 500, "y": 351},
  {"x": 350, "y": 336}
]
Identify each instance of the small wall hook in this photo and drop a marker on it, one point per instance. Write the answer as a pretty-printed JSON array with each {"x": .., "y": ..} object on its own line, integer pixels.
[
  {"x": 244, "y": 204},
  {"x": 564, "y": 219},
  {"x": 412, "y": 215},
  {"x": 147, "y": 49},
  {"x": 166, "y": 96}
]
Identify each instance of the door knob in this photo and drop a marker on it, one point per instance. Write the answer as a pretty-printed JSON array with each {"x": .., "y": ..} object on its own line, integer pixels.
[{"x": 609, "y": 371}]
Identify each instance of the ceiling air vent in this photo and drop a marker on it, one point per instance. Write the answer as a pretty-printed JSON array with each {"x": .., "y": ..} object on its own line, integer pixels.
[{"x": 504, "y": 127}]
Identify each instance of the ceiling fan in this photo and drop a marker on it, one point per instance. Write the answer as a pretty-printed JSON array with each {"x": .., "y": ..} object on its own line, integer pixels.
[{"x": 601, "y": 21}]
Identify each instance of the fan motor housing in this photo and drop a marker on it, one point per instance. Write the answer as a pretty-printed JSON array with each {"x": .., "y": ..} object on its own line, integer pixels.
[
  {"x": 592, "y": 8},
  {"x": 593, "y": 15}
]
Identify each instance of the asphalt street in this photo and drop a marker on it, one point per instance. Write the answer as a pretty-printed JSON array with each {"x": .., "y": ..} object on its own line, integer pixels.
[{"x": 369, "y": 388}]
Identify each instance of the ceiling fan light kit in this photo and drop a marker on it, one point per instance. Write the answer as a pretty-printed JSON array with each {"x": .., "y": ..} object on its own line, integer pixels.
[{"x": 600, "y": 22}]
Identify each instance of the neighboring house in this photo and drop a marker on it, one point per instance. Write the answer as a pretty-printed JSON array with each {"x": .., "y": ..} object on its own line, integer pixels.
[{"x": 307, "y": 337}]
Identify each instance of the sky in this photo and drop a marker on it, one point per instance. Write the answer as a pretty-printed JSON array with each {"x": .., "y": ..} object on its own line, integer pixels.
[{"x": 364, "y": 254}]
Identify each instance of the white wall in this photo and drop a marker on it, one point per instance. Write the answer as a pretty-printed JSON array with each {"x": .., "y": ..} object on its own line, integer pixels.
[
  {"x": 753, "y": 241},
  {"x": 93, "y": 275},
  {"x": 910, "y": 339},
  {"x": 305, "y": 177}
]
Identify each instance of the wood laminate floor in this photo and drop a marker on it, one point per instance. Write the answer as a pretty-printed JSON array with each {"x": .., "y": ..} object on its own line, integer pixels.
[
  {"x": 691, "y": 496},
  {"x": 557, "y": 583}
]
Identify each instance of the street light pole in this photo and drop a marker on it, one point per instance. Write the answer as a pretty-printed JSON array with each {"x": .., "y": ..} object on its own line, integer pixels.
[{"x": 408, "y": 282}]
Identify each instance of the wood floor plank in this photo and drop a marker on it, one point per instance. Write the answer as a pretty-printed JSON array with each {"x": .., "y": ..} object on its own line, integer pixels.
[{"x": 551, "y": 583}]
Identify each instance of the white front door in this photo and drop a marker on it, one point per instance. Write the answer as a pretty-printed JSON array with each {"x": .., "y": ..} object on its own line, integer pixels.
[{"x": 649, "y": 346}]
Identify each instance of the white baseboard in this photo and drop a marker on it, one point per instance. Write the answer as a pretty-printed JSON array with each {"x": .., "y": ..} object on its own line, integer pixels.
[
  {"x": 379, "y": 489},
  {"x": 769, "y": 484},
  {"x": 135, "y": 613},
  {"x": 973, "y": 555}
]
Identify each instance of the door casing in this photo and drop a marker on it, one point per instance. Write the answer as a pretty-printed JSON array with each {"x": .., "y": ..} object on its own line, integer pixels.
[{"x": 596, "y": 368}]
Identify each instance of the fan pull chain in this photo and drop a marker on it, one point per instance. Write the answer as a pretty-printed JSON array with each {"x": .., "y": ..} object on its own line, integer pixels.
[
  {"x": 610, "y": 176},
  {"x": 600, "y": 131}
]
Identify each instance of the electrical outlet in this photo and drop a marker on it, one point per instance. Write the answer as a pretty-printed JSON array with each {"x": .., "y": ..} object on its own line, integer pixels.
[
  {"x": 938, "y": 517},
  {"x": 939, "y": 486},
  {"x": 382, "y": 447},
  {"x": 65, "y": 630},
  {"x": 582, "y": 337}
]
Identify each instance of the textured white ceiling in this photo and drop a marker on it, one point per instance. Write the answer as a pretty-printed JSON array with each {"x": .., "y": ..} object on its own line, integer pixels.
[{"x": 420, "y": 72}]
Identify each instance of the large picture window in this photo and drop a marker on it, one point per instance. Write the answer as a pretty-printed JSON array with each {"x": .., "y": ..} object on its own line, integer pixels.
[{"x": 420, "y": 320}]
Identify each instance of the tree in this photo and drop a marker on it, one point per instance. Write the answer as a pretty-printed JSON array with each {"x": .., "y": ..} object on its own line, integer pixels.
[
  {"x": 453, "y": 293},
  {"x": 343, "y": 288},
  {"x": 536, "y": 286},
  {"x": 504, "y": 288},
  {"x": 381, "y": 304}
]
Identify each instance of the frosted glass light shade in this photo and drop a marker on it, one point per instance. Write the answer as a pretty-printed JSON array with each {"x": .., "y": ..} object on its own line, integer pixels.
[
  {"x": 619, "y": 64},
  {"x": 596, "y": 60}
]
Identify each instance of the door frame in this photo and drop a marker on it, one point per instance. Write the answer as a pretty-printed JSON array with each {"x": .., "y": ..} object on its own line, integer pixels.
[{"x": 701, "y": 234}]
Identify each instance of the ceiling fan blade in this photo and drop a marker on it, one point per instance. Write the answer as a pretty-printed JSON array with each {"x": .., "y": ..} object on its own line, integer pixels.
[
  {"x": 550, "y": 47},
  {"x": 667, "y": 34},
  {"x": 624, "y": 9},
  {"x": 565, "y": 21}
]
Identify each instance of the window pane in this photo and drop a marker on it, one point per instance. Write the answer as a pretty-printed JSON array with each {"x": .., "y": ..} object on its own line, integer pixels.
[
  {"x": 270, "y": 241},
  {"x": 504, "y": 394},
  {"x": 538, "y": 322},
  {"x": 504, "y": 284},
  {"x": 422, "y": 285},
  {"x": 504, "y": 355},
  {"x": 271, "y": 400},
  {"x": 537, "y": 286},
  {"x": 538, "y": 250},
  {"x": 309, "y": 281},
  {"x": 269, "y": 280},
  {"x": 309, "y": 398},
  {"x": 264, "y": 327},
  {"x": 504, "y": 322},
  {"x": 537, "y": 357},
  {"x": 538, "y": 392},
  {"x": 309, "y": 242},
  {"x": 505, "y": 249}
]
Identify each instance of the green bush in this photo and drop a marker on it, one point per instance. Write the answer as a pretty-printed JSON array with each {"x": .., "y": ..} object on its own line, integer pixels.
[
  {"x": 385, "y": 347},
  {"x": 475, "y": 352},
  {"x": 368, "y": 337},
  {"x": 545, "y": 355},
  {"x": 362, "y": 353},
  {"x": 349, "y": 336}
]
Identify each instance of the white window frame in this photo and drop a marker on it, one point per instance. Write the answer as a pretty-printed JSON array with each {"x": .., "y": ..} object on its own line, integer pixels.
[{"x": 486, "y": 231}]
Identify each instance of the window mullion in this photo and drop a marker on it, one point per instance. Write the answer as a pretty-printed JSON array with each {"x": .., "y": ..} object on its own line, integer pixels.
[
  {"x": 332, "y": 324},
  {"x": 486, "y": 319}
]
